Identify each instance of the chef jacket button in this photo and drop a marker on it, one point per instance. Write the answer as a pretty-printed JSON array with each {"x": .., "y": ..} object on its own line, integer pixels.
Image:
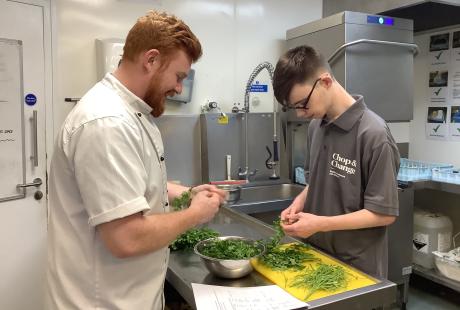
[
  {"x": 162, "y": 158},
  {"x": 139, "y": 114},
  {"x": 166, "y": 204}
]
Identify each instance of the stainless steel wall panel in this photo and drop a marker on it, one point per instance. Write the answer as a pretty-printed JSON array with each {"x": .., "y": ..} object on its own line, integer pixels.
[{"x": 182, "y": 143}]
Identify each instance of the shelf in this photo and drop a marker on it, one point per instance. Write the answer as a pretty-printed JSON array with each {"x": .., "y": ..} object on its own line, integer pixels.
[
  {"x": 435, "y": 276},
  {"x": 435, "y": 185}
]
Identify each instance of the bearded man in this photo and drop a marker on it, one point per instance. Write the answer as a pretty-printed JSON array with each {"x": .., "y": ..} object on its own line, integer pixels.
[{"x": 109, "y": 219}]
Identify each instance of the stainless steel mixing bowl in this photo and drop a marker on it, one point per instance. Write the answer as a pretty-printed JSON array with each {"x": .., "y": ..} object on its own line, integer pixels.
[
  {"x": 234, "y": 192},
  {"x": 228, "y": 268}
]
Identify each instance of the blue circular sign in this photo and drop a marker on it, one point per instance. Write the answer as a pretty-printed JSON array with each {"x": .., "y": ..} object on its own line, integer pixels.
[{"x": 30, "y": 99}]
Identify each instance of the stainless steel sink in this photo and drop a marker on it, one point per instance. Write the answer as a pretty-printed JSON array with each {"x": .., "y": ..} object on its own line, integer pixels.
[
  {"x": 265, "y": 198},
  {"x": 269, "y": 193}
]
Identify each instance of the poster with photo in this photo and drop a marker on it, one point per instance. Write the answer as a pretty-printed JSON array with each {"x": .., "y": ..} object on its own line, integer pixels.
[
  {"x": 456, "y": 39},
  {"x": 439, "y": 42},
  {"x": 438, "y": 84},
  {"x": 439, "y": 49},
  {"x": 455, "y": 123},
  {"x": 436, "y": 123}
]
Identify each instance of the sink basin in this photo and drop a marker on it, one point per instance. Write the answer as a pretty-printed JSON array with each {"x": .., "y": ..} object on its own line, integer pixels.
[{"x": 264, "y": 198}]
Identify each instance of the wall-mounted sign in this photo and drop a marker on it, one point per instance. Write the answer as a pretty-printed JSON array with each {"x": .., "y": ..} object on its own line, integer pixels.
[
  {"x": 259, "y": 88},
  {"x": 30, "y": 99}
]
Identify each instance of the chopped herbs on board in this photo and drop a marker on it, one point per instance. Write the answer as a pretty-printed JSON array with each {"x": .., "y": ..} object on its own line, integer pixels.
[
  {"x": 290, "y": 257},
  {"x": 191, "y": 237},
  {"x": 324, "y": 277},
  {"x": 283, "y": 258}
]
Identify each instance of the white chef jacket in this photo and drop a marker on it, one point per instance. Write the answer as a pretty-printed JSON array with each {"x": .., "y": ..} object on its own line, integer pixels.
[{"x": 108, "y": 163}]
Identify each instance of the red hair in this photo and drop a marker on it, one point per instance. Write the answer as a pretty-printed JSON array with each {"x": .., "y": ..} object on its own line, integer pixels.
[{"x": 166, "y": 33}]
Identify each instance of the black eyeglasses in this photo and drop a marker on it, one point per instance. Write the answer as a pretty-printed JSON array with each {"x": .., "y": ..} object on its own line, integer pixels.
[{"x": 301, "y": 104}]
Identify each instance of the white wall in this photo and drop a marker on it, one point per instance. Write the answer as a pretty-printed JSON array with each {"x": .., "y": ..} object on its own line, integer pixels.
[
  {"x": 236, "y": 35},
  {"x": 420, "y": 148}
]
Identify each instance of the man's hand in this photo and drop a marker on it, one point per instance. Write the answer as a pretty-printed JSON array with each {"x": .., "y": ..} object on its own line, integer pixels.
[
  {"x": 210, "y": 188},
  {"x": 205, "y": 205},
  {"x": 304, "y": 224}
]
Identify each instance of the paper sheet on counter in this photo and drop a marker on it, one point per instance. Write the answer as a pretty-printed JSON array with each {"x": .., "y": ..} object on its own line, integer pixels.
[{"x": 270, "y": 297}]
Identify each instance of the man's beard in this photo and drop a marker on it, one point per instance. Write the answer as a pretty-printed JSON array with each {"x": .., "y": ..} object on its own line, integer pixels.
[{"x": 155, "y": 98}]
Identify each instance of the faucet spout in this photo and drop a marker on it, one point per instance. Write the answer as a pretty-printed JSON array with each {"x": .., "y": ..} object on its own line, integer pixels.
[{"x": 269, "y": 67}]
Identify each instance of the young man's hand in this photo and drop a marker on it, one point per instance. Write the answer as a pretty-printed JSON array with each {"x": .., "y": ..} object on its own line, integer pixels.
[
  {"x": 287, "y": 216},
  {"x": 303, "y": 224}
]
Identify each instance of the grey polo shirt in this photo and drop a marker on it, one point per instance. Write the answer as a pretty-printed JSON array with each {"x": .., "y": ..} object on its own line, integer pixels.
[{"x": 352, "y": 164}]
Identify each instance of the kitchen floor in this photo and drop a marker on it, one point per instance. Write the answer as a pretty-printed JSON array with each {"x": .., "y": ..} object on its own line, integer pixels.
[{"x": 427, "y": 295}]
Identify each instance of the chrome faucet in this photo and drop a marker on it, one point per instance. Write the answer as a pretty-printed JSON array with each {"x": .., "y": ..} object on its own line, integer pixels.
[{"x": 245, "y": 174}]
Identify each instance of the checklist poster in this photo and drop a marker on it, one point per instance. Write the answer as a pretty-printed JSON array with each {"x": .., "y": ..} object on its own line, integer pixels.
[{"x": 443, "y": 110}]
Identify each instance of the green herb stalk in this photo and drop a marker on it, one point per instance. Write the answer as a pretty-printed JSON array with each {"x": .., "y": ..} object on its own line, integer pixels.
[
  {"x": 284, "y": 258},
  {"x": 181, "y": 202}
]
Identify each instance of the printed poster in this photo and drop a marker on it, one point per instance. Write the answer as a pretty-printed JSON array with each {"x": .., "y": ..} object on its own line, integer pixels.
[
  {"x": 438, "y": 80},
  {"x": 436, "y": 126}
]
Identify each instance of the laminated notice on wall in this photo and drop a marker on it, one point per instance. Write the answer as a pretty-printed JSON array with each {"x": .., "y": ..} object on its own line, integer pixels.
[{"x": 443, "y": 97}]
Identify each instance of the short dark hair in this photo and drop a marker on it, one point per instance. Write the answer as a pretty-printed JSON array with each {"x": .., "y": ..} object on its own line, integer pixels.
[{"x": 298, "y": 65}]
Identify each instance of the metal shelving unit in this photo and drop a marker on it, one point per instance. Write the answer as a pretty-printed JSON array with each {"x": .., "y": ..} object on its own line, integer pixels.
[
  {"x": 435, "y": 276},
  {"x": 439, "y": 186}
]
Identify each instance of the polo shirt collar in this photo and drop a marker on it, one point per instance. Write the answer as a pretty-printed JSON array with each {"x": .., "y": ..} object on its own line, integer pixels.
[
  {"x": 348, "y": 119},
  {"x": 131, "y": 99}
]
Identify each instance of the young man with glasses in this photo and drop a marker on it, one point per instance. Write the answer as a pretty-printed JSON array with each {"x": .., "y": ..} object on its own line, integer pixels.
[{"x": 351, "y": 165}]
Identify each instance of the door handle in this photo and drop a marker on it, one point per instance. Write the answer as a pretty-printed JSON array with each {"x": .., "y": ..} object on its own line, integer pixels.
[
  {"x": 412, "y": 46},
  {"x": 34, "y": 156},
  {"x": 36, "y": 182}
]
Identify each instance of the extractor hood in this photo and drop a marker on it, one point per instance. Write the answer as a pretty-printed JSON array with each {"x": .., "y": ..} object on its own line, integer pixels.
[{"x": 426, "y": 15}]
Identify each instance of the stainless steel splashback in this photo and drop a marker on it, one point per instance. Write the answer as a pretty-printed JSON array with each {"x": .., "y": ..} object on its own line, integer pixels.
[
  {"x": 196, "y": 146},
  {"x": 182, "y": 142},
  {"x": 218, "y": 140}
]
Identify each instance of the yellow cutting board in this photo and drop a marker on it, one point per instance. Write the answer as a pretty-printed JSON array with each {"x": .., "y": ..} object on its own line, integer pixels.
[{"x": 355, "y": 278}]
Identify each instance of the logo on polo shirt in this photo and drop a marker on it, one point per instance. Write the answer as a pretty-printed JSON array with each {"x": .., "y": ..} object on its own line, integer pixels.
[{"x": 342, "y": 163}]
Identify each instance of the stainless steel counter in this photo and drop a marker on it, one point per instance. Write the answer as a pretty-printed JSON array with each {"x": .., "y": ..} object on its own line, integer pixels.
[{"x": 186, "y": 268}]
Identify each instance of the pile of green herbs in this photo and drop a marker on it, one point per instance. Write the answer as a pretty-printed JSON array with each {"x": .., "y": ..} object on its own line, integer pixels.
[
  {"x": 232, "y": 249},
  {"x": 191, "y": 237},
  {"x": 281, "y": 258},
  {"x": 291, "y": 257},
  {"x": 324, "y": 277}
]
